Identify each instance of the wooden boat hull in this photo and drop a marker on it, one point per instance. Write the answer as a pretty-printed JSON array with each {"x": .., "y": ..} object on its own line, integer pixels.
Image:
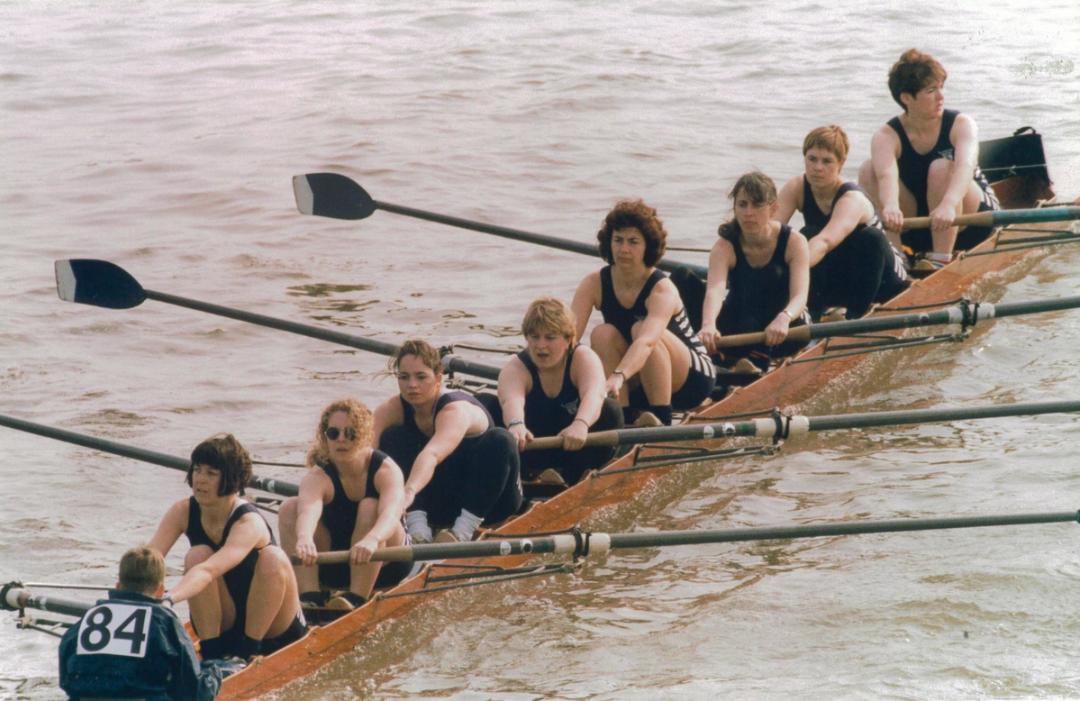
[{"x": 791, "y": 384}]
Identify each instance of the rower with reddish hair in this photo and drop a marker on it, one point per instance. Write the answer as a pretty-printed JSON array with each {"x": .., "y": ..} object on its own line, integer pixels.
[
  {"x": 852, "y": 264},
  {"x": 350, "y": 499},
  {"x": 925, "y": 162}
]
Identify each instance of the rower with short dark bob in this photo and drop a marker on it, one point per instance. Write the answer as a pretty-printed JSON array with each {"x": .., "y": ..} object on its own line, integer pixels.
[
  {"x": 651, "y": 355},
  {"x": 461, "y": 469}
]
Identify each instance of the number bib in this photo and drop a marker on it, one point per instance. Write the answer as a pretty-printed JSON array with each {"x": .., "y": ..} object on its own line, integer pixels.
[{"x": 114, "y": 629}]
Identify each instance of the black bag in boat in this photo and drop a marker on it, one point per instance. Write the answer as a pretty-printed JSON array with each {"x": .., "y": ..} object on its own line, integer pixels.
[{"x": 1016, "y": 167}]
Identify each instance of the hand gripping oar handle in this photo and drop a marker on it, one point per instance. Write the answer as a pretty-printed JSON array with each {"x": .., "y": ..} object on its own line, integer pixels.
[
  {"x": 584, "y": 544},
  {"x": 964, "y": 313},
  {"x": 787, "y": 426},
  {"x": 1003, "y": 217}
]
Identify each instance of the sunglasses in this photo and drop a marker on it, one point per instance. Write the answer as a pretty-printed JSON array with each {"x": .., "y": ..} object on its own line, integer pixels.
[{"x": 334, "y": 432}]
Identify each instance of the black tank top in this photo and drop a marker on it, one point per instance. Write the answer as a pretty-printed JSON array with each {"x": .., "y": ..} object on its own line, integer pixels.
[
  {"x": 816, "y": 219},
  {"x": 238, "y": 579},
  {"x": 756, "y": 295},
  {"x": 624, "y": 319},
  {"x": 914, "y": 166},
  {"x": 454, "y": 395},
  {"x": 339, "y": 514},
  {"x": 541, "y": 409}
]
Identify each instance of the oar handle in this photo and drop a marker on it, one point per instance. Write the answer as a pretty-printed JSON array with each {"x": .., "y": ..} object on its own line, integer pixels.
[
  {"x": 592, "y": 440},
  {"x": 976, "y": 219},
  {"x": 795, "y": 333},
  {"x": 1002, "y": 217}
]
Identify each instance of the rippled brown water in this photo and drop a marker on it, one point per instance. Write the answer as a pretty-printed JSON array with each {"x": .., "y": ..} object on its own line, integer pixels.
[{"x": 163, "y": 138}]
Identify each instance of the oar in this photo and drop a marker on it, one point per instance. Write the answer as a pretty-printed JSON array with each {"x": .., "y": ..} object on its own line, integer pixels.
[
  {"x": 14, "y": 597},
  {"x": 104, "y": 284},
  {"x": 963, "y": 313},
  {"x": 1003, "y": 217},
  {"x": 787, "y": 426},
  {"x": 584, "y": 544},
  {"x": 339, "y": 197},
  {"x": 286, "y": 489}
]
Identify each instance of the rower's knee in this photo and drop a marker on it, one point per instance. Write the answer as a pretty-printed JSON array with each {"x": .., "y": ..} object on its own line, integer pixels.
[
  {"x": 937, "y": 178},
  {"x": 608, "y": 343},
  {"x": 273, "y": 563},
  {"x": 197, "y": 555}
]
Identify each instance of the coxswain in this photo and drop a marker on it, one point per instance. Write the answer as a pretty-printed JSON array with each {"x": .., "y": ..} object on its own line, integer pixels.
[
  {"x": 238, "y": 583},
  {"x": 555, "y": 387},
  {"x": 852, "y": 263},
  {"x": 132, "y": 645},
  {"x": 652, "y": 358},
  {"x": 925, "y": 162},
  {"x": 759, "y": 278},
  {"x": 461, "y": 470},
  {"x": 351, "y": 498}
]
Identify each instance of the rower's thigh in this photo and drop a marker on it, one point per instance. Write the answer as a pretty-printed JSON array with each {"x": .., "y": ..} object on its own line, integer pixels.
[{"x": 680, "y": 359}]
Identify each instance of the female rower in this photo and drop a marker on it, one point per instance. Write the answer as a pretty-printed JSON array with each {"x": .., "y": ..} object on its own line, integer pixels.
[
  {"x": 651, "y": 356},
  {"x": 852, "y": 263},
  {"x": 765, "y": 265},
  {"x": 238, "y": 583},
  {"x": 350, "y": 499},
  {"x": 555, "y": 388},
  {"x": 461, "y": 470}
]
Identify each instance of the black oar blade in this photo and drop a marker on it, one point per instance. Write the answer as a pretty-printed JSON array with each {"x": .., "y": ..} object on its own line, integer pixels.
[
  {"x": 331, "y": 195},
  {"x": 97, "y": 282}
]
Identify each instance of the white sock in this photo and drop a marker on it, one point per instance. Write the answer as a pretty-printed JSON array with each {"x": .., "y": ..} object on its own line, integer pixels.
[
  {"x": 416, "y": 523},
  {"x": 465, "y": 525}
]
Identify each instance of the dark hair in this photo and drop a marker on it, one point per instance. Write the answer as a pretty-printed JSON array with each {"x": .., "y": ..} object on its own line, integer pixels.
[
  {"x": 225, "y": 454},
  {"x": 912, "y": 72},
  {"x": 422, "y": 350},
  {"x": 638, "y": 215},
  {"x": 759, "y": 187},
  {"x": 359, "y": 418},
  {"x": 142, "y": 570}
]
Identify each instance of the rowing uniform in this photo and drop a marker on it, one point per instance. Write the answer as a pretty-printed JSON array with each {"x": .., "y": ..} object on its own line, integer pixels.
[
  {"x": 701, "y": 378},
  {"x": 914, "y": 170},
  {"x": 755, "y": 296},
  {"x": 130, "y": 646},
  {"x": 238, "y": 579},
  {"x": 864, "y": 268},
  {"x": 547, "y": 416},
  {"x": 339, "y": 518},
  {"x": 481, "y": 475}
]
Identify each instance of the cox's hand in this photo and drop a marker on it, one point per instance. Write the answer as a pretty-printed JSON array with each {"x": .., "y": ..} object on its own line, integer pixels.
[
  {"x": 362, "y": 550},
  {"x": 305, "y": 550},
  {"x": 710, "y": 337},
  {"x": 521, "y": 434},
  {"x": 777, "y": 331},
  {"x": 574, "y": 435},
  {"x": 893, "y": 219}
]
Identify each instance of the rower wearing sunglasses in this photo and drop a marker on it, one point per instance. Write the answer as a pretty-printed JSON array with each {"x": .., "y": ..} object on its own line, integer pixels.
[
  {"x": 461, "y": 470},
  {"x": 350, "y": 499}
]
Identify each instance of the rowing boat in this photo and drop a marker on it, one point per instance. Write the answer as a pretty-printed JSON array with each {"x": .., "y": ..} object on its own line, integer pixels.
[{"x": 794, "y": 382}]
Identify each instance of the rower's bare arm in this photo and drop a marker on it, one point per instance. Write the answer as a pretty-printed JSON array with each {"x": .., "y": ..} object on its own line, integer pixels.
[
  {"x": 387, "y": 414},
  {"x": 884, "y": 150},
  {"x": 787, "y": 202},
  {"x": 662, "y": 304},
  {"x": 721, "y": 260},
  {"x": 587, "y": 375},
  {"x": 315, "y": 490},
  {"x": 853, "y": 209},
  {"x": 965, "y": 140},
  {"x": 514, "y": 382},
  {"x": 172, "y": 526},
  {"x": 390, "y": 483},
  {"x": 451, "y": 425},
  {"x": 586, "y": 298},
  {"x": 246, "y": 535},
  {"x": 798, "y": 260}
]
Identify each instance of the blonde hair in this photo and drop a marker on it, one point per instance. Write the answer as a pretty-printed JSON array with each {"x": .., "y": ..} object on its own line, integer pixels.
[
  {"x": 549, "y": 314},
  {"x": 360, "y": 419}
]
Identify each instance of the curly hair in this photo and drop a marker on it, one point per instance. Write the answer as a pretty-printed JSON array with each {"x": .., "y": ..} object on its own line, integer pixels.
[
  {"x": 549, "y": 314},
  {"x": 638, "y": 215},
  {"x": 423, "y": 350},
  {"x": 830, "y": 138},
  {"x": 761, "y": 190},
  {"x": 225, "y": 454},
  {"x": 912, "y": 72},
  {"x": 360, "y": 419}
]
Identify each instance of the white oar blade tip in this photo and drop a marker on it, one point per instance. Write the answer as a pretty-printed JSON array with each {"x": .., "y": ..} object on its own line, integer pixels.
[
  {"x": 305, "y": 198},
  {"x": 65, "y": 280}
]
